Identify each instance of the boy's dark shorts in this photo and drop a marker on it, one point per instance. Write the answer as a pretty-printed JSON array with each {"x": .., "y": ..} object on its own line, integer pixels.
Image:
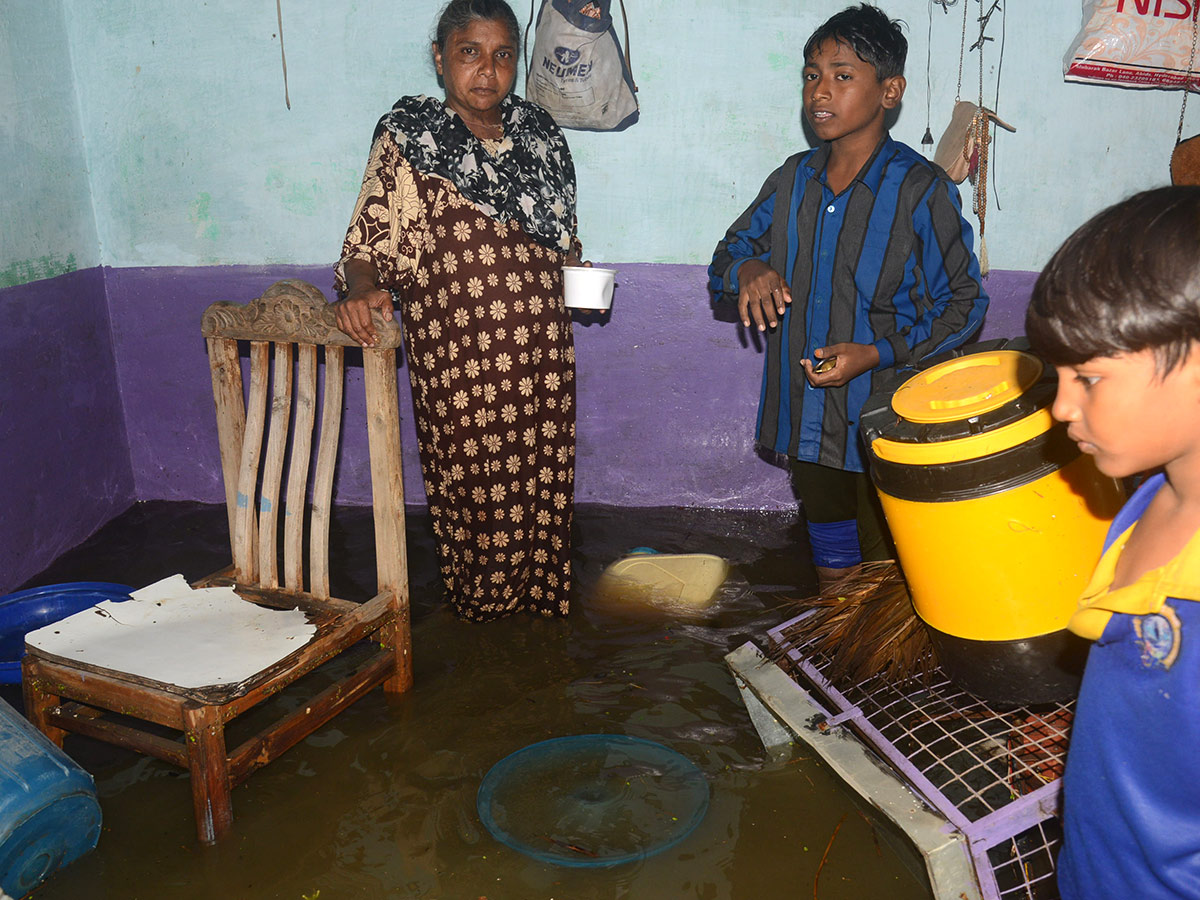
[{"x": 835, "y": 495}]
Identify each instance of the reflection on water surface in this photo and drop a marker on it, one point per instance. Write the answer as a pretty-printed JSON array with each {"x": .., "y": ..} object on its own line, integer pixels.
[{"x": 381, "y": 802}]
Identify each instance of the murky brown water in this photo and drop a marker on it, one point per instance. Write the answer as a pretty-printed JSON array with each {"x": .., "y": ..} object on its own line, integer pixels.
[{"x": 381, "y": 803}]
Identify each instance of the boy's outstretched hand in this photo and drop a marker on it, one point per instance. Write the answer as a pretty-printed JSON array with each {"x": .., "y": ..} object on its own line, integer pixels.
[
  {"x": 764, "y": 295},
  {"x": 851, "y": 361}
]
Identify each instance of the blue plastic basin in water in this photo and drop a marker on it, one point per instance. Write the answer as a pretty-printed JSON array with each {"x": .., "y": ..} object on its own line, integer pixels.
[
  {"x": 592, "y": 799},
  {"x": 49, "y": 815},
  {"x": 26, "y": 611}
]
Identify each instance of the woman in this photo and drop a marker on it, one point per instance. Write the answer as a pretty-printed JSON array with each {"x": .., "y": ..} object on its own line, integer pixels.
[{"x": 466, "y": 216}]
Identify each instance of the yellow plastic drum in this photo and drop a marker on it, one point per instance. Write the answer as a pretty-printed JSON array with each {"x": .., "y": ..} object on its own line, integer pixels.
[{"x": 998, "y": 519}]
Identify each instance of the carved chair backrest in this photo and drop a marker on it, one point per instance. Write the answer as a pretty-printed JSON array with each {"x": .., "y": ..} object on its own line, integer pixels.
[{"x": 284, "y": 328}]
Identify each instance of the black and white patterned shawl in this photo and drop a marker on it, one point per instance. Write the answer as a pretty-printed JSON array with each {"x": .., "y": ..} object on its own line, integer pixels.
[{"x": 530, "y": 179}]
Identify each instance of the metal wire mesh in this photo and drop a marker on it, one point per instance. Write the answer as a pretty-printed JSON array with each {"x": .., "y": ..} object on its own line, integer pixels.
[
  {"x": 993, "y": 773},
  {"x": 1023, "y": 866}
]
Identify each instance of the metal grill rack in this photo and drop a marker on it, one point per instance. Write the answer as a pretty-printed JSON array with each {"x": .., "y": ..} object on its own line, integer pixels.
[{"x": 992, "y": 775}]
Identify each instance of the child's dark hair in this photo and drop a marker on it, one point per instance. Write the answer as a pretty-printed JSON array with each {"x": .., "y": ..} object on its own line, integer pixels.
[
  {"x": 1127, "y": 280},
  {"x": 867, "y": 31}
]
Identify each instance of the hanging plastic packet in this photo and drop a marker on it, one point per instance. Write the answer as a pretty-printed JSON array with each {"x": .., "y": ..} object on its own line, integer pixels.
[{"x": 1133, "y": 43}]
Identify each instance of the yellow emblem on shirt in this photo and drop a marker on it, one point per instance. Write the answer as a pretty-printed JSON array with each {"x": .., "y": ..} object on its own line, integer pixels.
[{"x": 1159, "y": 636}]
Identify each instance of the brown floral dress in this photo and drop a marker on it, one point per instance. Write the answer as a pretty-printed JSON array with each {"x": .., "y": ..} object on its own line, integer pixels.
[{"x": 491, "y": 362}]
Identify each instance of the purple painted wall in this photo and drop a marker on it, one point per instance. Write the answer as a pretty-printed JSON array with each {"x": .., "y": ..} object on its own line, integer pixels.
[
  {"x": 667, "y": 390},
  {"x": 669, "y": 387},
  {"x": 166, "y": 388},
  {"x": 667, "y": 394},
  {"x": 1009, "y": 292},
  {"x": 66, "y": 468}
]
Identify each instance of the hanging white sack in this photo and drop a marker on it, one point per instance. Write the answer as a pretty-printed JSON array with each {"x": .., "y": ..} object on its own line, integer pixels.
[{"x": 578, "y": 72}]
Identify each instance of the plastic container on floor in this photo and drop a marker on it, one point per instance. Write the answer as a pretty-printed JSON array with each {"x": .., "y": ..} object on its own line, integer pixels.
[
  {"x": 49, "y": 815},
  {"x": 28, "y": 610},
  {"x": 683, "y": 579}
]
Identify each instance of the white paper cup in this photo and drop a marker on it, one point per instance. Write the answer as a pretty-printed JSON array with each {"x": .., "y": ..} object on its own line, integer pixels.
[{"x": 587, "y": 287}]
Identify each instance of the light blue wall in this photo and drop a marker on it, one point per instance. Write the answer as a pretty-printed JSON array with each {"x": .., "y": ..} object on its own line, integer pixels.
[
  {"x": 167, "y": 119},
  {"x": 46, "y": 221},
  {"x": 195, "y": 160}
]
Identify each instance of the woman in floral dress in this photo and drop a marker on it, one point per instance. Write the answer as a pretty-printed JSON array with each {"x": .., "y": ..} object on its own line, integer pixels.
[{"x": 466, "y": 216}]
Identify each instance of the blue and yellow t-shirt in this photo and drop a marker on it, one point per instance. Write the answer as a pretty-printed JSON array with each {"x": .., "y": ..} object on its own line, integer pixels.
[{"x": 1131, "y": 800}]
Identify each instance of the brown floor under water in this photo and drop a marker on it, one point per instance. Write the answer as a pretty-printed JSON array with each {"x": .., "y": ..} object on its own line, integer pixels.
[{"x": 381, "y": 802}]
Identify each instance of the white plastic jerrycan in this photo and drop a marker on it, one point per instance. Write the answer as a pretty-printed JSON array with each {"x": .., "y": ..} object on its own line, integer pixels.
[{"x": 684, "y": 579}]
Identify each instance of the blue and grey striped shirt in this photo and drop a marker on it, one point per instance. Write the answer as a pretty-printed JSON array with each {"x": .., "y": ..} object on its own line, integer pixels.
[{"x": 888, "y": 262}]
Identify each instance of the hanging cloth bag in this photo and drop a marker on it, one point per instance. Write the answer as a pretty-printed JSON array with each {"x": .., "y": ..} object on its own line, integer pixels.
[
  {"x": 964, "y": 148},
  {"x": 958, "y": 152},
  {"x": 578, "y": 72}
]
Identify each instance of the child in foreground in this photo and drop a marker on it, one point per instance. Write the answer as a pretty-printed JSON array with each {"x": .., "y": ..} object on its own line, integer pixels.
[
  {"x": 854, "y": 258},
  {"x": 1117, "y": 312}
]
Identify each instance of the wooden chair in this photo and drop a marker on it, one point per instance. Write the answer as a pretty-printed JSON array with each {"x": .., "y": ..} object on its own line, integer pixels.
[{"x": 64, "y": 695}]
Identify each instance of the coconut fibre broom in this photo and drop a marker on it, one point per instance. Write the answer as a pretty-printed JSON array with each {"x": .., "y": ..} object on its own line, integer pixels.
[{"x": 866, "y": 626}]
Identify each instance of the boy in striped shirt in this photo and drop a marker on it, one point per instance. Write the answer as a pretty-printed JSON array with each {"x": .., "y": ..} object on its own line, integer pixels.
[{"x": 853, "y": 259}]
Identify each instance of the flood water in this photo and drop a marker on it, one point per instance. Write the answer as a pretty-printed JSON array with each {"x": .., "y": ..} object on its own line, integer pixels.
[{"x": 381, "y": 802}]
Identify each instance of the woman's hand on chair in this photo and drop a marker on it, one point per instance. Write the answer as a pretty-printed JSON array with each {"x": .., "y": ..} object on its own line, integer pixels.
[{"x": 354, "y": 312}]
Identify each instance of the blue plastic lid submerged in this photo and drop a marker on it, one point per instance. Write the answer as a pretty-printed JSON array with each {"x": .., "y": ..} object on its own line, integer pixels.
[
  {"x": 592, "y": 800},
  {"x": 29, "y": 610}
]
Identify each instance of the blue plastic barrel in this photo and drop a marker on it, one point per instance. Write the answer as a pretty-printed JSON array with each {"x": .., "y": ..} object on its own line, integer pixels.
[
  {"x": 28, "y": 610},
  {"x": 49, "y": 815}
]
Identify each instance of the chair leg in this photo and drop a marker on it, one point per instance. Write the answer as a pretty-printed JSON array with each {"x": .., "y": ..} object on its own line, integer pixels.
[
  {"x": 209, "y": 766},
  {"x": 38, "y": 704},
  {"x": 399, "y": 636}
]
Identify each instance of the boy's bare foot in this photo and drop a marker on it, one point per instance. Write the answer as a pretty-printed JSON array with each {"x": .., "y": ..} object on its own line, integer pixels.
[{"x": 827, "y": 577}]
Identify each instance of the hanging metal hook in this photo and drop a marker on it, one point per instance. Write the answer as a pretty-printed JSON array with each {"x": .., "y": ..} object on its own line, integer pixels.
[
  {"x": 983, "y": 24},
  {"x": 987, "y": 16}
]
